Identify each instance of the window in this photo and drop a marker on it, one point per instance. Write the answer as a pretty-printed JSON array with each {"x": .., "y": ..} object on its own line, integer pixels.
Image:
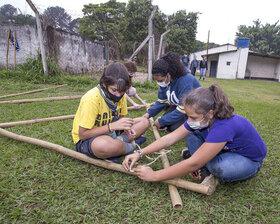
[{"x": 228, "y": 63}]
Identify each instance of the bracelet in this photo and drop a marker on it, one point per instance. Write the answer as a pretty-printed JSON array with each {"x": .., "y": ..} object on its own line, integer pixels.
[
  {"x": 109, "y": 127},
  {"x": 141, "y": 156}
]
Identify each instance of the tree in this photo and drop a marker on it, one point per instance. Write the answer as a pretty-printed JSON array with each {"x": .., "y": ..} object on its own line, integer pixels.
[
  {"x": 101, "y": 21},
  {"x": 135, "y": 26},
  {"x": 9, "y": 15},
  {"x": 60, "y": 18},
  {"x": 183, "y": 28},
  {"x": 200, "y": 46},
  {"x": 263, "y": 38}
]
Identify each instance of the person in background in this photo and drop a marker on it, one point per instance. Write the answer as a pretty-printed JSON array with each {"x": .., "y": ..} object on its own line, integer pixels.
[
  {"x": 173, "y": 82},
  {"x": 131, "y": 67},
  {"x": 101, "y": 114},
  {"x": 221, "y": 144},
  {"x": 194, "y": 65},
  {"x": 186, "y": 61},
  {"x": 203, "y": 68}
]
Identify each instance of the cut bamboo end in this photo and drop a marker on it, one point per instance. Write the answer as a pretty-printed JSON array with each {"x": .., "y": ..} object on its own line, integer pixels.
[{"x": 101, "y": 163}]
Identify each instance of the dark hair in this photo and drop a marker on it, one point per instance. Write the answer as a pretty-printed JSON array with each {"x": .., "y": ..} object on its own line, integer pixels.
[
  {"x": 115, "y": 74},
  {"x": 131, "y": 67},
  {"x": 204, "y": 99},
  {"x": 169, "y": 63}
]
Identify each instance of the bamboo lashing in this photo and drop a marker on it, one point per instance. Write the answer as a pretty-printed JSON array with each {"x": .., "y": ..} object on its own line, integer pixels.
[
  {"x": 29, "y": 92},
  {"x": 58, "y": 118},
  {"x": 173, "y": 191},
  {"x": 208, "y": 190}
]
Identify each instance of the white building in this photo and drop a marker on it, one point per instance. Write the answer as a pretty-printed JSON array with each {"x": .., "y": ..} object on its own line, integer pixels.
[{"x": 229, "y": 62}]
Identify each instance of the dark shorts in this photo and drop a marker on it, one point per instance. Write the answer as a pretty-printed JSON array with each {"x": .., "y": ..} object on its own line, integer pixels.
[{"x": 84, "y": 146}]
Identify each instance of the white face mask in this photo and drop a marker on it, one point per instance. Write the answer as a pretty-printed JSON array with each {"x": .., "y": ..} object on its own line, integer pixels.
[
  {"x": 163, "y": 84},
  {"x": 196, "y": 124}
]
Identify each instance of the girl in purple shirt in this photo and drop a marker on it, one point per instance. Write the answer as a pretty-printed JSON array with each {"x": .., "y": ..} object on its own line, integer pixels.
[{"x": 221, "y": 144}]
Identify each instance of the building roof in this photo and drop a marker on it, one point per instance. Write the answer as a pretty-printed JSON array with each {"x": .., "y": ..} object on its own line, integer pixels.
[{"x": 263, "y": 55}]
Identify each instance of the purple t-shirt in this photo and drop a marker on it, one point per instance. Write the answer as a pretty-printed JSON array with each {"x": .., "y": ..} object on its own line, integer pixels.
[{"x": 241, "y": 137}]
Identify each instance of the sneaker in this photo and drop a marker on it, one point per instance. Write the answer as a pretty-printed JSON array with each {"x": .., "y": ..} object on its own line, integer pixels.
[
  {"x": 113, "y": 160},
  {"x": 140, "y": 140},
  {"x": 201, "y": 174},
  {"x": 185, "y": 154}
]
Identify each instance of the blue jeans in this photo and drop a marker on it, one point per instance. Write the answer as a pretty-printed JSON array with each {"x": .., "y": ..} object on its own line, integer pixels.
[
  {"x": 202, "y": 73},
  {"x": 227, "y": 166}
]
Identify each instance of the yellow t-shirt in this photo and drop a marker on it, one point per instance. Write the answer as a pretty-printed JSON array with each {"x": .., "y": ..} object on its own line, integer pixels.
[{"x": 94, "y": 112}]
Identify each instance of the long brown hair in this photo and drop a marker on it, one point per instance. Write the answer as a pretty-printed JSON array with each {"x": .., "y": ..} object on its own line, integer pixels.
[
  {"x": 204, "y": 99},
  {"x": 115, "y": 74}
]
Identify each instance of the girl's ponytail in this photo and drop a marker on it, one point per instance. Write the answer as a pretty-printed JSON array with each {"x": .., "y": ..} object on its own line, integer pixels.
[
  {"x": 222, "y": 107},
  {"x": 204, "y": 99}
]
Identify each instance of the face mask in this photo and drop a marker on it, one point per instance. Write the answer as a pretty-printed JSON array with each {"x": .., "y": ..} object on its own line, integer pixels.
[
  {"x": 113, "y": 97},
  {"x": 163, "y": 84},
  {"x": 196, "y": 125}
]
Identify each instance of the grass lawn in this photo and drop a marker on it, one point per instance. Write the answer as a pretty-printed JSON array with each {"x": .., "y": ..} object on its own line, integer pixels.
[{"x": 38, "y": 185}]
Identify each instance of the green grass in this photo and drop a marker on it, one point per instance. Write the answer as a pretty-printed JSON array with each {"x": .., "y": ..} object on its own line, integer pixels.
[{"x": 38, "y": 185}]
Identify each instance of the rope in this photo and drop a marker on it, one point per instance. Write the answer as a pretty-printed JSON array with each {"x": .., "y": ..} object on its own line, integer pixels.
[{"x": 153, "y": 160}]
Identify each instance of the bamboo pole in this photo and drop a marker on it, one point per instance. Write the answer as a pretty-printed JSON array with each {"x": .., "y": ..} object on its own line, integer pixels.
[
  {"x": 15, "y": 123},
  {"x": 173, "y": 191},
  {"x": 15, "y": 60},
  {"x": 58, "y": 118},
  {"x": 42, "y": 99},
  {"x": 101, "y": 163},
  {"x": 7, "y": 53},
  {"x": 29, "y": 92}
]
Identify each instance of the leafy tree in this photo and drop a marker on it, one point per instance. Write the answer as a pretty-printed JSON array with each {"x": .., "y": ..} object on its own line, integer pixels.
[
  {"x": 60, "y": 18},
  {"x": 9, "y": 15},
  {"x": 200, "y": 46},
  {"x": 8, "y": 10},
  {"x": 101, "y": 21},
  {"x": 135, "y": 26},
  {"x": 183, "y": 28},
  {"x": 263, "y": 38}
]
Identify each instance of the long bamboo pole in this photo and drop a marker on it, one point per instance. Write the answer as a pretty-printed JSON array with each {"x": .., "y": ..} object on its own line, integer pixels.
[
  {"x": 42, "y": 99},
  {"x": 31, "y": 91},
  {"x": 15, "y": 59},
  {"x": 7, "y": 52},
  {"x": 101, "y": 163},
  {"x": 173, "y": 191},
  {"x": 64, "y": 117}
]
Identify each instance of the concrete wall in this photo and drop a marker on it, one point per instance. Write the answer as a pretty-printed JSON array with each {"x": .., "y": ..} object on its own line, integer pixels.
[
  {"x": 72, "y": 53},
  {"x": 27, "y": 40},
  {"x": 263, "y": 67},
  {"x": 227, "y": 65}
]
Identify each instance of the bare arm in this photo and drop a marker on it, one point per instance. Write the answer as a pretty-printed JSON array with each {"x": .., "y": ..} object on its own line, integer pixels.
[
  {"x": 159, "y": 144},
  {"x": 205, "y": 153},
  {"x": 124, "y": 123},
  {"x": 131, "y": 101}
]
